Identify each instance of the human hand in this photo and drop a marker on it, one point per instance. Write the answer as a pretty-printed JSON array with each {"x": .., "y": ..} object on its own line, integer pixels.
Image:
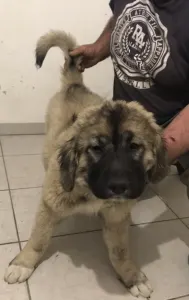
[{"x": 90, "y": 55}]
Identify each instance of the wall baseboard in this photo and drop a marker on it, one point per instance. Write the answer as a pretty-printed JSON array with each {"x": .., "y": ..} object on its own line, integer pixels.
[{"x": 22, "y": 128}]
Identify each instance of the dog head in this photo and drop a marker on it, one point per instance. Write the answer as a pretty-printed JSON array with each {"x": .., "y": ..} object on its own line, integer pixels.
[{"x": 113, "y": 150}]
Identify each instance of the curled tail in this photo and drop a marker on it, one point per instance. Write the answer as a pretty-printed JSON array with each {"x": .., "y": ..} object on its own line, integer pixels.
[{"x": 66, "y": 43}]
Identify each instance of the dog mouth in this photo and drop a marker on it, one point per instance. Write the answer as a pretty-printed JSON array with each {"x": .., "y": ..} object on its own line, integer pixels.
[{"x": 127, "y": 194}]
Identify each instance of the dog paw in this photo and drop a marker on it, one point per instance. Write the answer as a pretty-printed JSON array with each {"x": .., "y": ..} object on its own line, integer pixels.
[
  {"x": 141, "y": 289},
  {"x": 140, "y": 286},
  {"x": 16, "y": 273}
]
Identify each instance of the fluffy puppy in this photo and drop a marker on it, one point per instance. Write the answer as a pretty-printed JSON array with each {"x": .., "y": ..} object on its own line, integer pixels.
[{"x": 98, "y": 156}]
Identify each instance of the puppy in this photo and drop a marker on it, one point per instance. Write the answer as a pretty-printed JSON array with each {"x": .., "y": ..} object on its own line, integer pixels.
[{"x": 98, "y": 156}]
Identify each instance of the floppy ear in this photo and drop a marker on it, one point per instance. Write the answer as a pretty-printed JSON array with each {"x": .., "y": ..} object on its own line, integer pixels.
[
  {"x": 68, "y": 164},
  {"x": 161, "y": 167}
]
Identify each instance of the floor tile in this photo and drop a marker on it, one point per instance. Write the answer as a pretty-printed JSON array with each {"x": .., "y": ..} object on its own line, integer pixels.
[
  {"x": 3, "y": 180},
  {"x": 77, "y": 266},
  {"x": 150, "y": 209},
  {"x": 173, "y": 192},
  {"x": 7, "y": 226},
  {"x": 22, "y": 144},
  {"x": 173, "y": 170},
  {"x": 24, "y": 171},
  {"x": 10, "y": 291},
  {"x": 25, "y": 203},
  {"x": 163, "y": 256}
]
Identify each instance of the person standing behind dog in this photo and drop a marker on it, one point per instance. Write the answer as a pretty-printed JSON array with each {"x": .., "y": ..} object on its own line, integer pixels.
[{"x": 148, "y": 41}]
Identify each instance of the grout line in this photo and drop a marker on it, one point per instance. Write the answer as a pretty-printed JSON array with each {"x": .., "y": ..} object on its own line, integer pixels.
[
  {"x": 54, "y": 236},
  {"x": 18, "y": 155},
  {"x": 91, "y": 231},
  {"x": 187, "y": 226},
  {"x": 170, "y": 208},
  {"x": 8, "y": 243},
  {"x": 154, "y": 222},
  {"x": 26, "y": 188},
  {"x": 21, "y": 155},
  {"x": 28, "y": 290},
  {"x": 180, "y": 297},
  {"x": 99, "y": 230},
  {"x": 14, "y": 216},
  {"x": 22, "y": 188},
  {"x": 181, "y": 219},
  {"x": 76, "y": 233},
  {"x": 161, "y": 198},
  {"x": 21, "y": 134},
  {"x": 69, "y": 234}
]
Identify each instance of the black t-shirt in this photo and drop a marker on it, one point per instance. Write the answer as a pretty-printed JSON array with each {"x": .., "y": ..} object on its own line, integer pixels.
[{"x": 150, "y": 54}]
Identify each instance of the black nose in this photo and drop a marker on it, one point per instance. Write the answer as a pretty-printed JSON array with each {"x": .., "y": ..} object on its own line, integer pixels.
[{"x": 117, "y": 187}]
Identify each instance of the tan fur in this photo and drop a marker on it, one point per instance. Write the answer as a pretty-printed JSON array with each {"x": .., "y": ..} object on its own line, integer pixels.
[{"x": 57, "y": 203}]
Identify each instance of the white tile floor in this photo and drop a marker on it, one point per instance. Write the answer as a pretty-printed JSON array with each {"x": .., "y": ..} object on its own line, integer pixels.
[{"x": 76, "y": 266}]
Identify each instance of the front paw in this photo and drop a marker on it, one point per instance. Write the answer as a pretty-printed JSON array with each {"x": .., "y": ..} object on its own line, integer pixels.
[
  {"x": 15, "y": 274},
  {"x": 138, "y": 285}
]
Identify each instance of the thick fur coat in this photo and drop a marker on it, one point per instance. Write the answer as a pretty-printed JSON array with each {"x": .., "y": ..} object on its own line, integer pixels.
[{"x": 98, "y": 157}]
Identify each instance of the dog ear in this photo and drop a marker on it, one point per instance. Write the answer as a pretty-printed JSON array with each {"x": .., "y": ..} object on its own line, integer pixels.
[
  {"x": 68, "y": 164},
  {"x": 161, "y": 167}
]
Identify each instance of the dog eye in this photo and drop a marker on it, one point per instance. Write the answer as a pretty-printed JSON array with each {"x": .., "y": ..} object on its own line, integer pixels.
[
  {"x": 96, "y": 149},
  {"x": 134, "y": 146}
]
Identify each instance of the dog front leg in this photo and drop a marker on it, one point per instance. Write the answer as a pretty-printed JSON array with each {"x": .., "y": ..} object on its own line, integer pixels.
[
  {"x": 22, "y": 266},
  {"x": 115, "y": 232}
]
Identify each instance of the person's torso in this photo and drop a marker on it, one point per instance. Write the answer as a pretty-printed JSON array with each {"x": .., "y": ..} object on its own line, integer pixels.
[{"x": 150, "y": 53}]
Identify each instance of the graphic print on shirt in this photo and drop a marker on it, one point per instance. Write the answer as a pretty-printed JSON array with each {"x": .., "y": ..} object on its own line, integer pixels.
[{"x": 139, "y": 45}]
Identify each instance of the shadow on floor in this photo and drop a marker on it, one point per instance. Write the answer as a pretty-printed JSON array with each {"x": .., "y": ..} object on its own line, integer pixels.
[{"x": 89, "y": 250}]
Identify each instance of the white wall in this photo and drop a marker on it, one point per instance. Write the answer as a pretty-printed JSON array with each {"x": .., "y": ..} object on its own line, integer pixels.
[{"x": 24, "y": 90}]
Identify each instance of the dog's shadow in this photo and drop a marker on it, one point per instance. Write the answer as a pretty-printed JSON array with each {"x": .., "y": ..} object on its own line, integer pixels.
[{"x": 88, "y": 250}]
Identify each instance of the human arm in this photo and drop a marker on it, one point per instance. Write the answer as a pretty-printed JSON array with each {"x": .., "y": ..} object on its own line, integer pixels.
[
  {"x": 176, "y": 135},
  {"x": 99, "y": 50}
]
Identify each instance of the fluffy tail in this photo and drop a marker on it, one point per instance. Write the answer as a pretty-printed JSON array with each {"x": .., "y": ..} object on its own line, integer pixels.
[{"x": 66, "y": 43}]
